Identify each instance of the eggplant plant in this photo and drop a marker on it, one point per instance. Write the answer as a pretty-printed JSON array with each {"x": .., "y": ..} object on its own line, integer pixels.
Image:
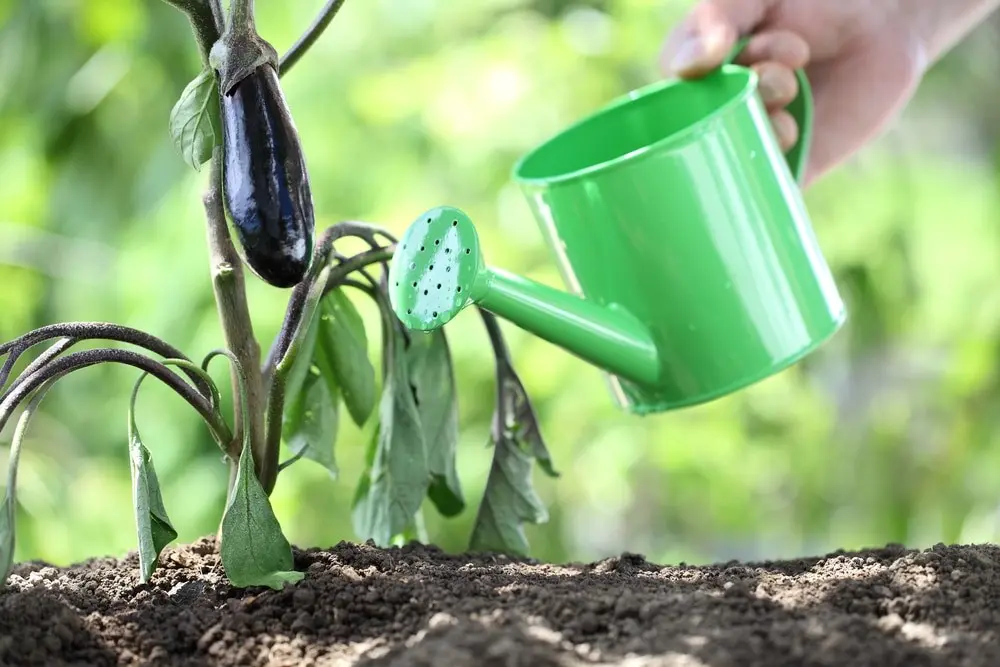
[{"x": 234, "y": 117}]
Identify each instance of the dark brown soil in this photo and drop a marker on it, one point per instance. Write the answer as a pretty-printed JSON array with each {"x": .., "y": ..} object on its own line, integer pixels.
[{"x": 360, "y": 605}]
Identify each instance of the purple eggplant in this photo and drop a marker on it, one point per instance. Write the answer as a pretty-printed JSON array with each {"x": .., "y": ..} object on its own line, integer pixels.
[{"x": 265, "y": 183}]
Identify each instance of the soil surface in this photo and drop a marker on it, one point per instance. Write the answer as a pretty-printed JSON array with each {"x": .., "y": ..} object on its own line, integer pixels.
[{"x": 417, "y": 606}]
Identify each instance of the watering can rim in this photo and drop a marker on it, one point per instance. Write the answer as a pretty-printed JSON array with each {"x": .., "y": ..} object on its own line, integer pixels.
[{"x": 670, "y": 141}]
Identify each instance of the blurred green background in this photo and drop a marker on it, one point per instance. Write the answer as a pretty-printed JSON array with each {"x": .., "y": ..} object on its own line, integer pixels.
[{"x": 890, "y": 433}]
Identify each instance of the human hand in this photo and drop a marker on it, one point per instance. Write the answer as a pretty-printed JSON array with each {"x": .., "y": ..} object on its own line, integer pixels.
[{"x": 863, "y": 59}]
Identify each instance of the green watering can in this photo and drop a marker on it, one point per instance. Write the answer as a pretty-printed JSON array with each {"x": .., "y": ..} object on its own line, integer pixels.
[{"x": 680, "y": 231}]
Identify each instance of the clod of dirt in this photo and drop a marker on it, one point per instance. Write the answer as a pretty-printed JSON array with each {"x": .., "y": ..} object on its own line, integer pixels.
[{"x": 416, "y": 606}]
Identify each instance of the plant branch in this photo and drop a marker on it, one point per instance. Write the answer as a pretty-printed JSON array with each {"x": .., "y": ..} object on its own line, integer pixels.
[
  {"x": 310, "y": 36},
  {"x": 302, "y": 308},
  {"x": 229, "y": 286},
  {"x": 220, "y": 17},
  {"x": 204, "y": 21},
  {"x": 79, "y": 331},
  {"x": 291, "y": 327},
  {"x": 500, "y": 349},
  {"x": 58, "y": 367},
  {"x": 45, "y": 357},
  {"x": 241, "y": 15}
]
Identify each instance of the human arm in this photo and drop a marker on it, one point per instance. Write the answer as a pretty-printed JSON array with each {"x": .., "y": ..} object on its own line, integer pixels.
[{"x": 940, "y": 24}]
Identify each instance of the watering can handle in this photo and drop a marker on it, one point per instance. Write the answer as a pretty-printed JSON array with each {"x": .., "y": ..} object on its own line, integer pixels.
[{"x": 801, "y": 109}]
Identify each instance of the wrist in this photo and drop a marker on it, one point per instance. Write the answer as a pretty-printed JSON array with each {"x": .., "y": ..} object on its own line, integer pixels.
[{"x": 938, "y": 25}]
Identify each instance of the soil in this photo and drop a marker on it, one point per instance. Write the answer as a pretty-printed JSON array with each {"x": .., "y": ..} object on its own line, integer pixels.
[{"x": 417, "y": 606}]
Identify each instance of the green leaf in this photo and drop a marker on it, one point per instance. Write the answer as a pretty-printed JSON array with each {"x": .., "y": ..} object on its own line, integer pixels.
[
  {"x": 195, "y": 126},
  {"x": 343, "y": 340},
  {"x": 311, "y": 413},
  {"x": 393, "y": 488},
  {"x": 152, "y": 523},
  {"x": 509, "y": 501},
  {"x": 7, "y": 512},
  {"x": 254, "y": 551},
  {"x": 432, "y": 380}
]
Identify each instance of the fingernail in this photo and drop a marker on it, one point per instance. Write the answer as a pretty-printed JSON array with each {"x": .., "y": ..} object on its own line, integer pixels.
[
  {"x": 768, "y": 85},
  {"x": 689, "y": 56},
  {"x": 701, "y": 51}
]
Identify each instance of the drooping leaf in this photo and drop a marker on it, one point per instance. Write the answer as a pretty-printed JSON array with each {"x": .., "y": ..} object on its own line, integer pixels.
[
  {"x": 254, "y": 551},
  {"x": 522, "y": 420},
  {"x": 7, "y": 512},
  {"x": 509, "y": 501},
  {"x": 393, "y": 488},
  {"x": 153, "y": 526},
  {"x": 342, "y": 337},
  {"x": 312, "y": 404},
  {"x": 195, "y": 126},
  {"x": 432, "y": 380},
  {"x": 369, "y": 519},
  {"x": 311, "y": 430}
]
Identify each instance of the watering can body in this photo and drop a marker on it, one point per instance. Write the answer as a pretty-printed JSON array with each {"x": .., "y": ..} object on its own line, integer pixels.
[
  {"x": 682, "y": 237},
  {"x": 692, "y": 222}
]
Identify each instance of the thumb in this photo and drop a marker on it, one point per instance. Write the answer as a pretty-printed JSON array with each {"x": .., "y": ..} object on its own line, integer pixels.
[{"x": 708, "y": 33}]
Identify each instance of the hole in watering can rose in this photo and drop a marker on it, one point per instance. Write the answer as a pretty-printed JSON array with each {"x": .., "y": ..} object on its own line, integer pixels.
[
  {"x": 437, "y": 241},
  {"x": 459, "y": 290},
  {"x": 430, "y": 268},
  {"x": 414, "y": 283},
  {"x": 409, "y": 311},
  {"x": 447, "y": 269},
  {"x": 454, "y": 223},
  {"x": 434, "y": 314},
  {"x": 439, "y": 285},
  {"x": 428, "y": 221},
  {"x": 425, "y": 292},
  {"x": 421, "y": 248}
]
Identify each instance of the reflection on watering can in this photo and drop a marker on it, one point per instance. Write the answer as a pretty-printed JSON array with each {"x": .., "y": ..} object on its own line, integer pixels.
[{"x": 680, "y": 230}]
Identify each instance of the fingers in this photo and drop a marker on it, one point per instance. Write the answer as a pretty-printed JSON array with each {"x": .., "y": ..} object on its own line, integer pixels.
[
  {"x": 785, "y": 128},
  {"x": 707, "y": 34},
  {"x": 775, "y": 56},
  {"x": 710, "y": 31},
  {"x": 777, "y": 84},
  {"x": 781, "y": 46}
]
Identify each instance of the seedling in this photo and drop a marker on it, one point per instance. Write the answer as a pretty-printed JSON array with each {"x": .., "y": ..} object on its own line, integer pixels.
[{"x": 257, "y": 182}]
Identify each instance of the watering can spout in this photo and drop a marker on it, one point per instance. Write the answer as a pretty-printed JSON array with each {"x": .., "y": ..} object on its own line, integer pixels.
[{"x": 438, "y": 270}]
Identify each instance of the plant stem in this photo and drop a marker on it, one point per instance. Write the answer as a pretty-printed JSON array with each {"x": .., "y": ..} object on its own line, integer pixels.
[
  {"x": 201, "y": 14},
  {"x": 301, "y": 310},
  {"x": 241, "y": 20},
  {"x": 500, "y": 349},
  {"x": 292, "y": 325},
  {"x": 310, "y": 36},
  {"x": 78, "y": 360},
  {"x": 79, "y": 331},
  {"x": 229, "y": 286},
  {"x": 218, "y": 14}
]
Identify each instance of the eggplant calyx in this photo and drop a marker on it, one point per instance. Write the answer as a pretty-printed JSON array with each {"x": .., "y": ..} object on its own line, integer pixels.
[{"x": 237, "y": 55}]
